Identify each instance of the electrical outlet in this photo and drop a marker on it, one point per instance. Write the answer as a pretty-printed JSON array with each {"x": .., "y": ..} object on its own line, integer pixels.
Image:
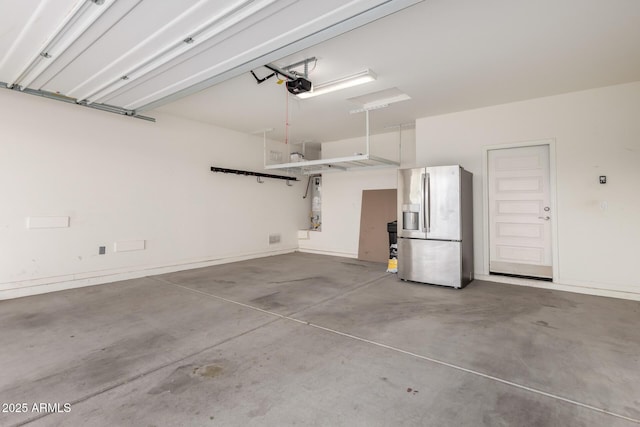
[
  {"x": 603, "y": 179},
  {"x": 102, "y": 250}
]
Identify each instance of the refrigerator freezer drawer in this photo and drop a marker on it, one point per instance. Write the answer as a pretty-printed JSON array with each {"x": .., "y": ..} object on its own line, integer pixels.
[{"x": 430, "y": 261}]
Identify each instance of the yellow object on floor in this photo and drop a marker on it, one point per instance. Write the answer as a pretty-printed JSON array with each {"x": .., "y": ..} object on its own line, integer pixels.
[{"x": 392, "y": 266}]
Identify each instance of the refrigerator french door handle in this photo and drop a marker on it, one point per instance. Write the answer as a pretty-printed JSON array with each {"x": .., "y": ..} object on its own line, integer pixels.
[
  {"x": 428, "y": 214},
  {"x": 423, "y": 208}
]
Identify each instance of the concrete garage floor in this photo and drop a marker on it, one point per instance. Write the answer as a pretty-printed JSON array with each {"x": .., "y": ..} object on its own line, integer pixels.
[{"x": 310, "y": 340}]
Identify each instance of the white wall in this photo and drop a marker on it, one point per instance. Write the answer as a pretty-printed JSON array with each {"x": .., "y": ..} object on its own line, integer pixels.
[
  {"x": 120, "y": 178},
  {"x": 596, "y": 132},
  {"x": 342, "y": 191}
]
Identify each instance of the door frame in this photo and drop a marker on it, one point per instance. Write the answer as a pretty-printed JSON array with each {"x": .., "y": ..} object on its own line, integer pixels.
[{"x": 551, "y": 143}]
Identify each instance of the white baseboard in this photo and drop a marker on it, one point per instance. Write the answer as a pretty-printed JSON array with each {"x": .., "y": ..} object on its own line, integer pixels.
[
  {"x": 59, "y": 283},
  {"x": 329, "y": 253},
  {"x": 591, "y": 289}
]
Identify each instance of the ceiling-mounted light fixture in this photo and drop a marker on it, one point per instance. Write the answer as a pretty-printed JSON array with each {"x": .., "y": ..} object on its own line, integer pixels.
[
  {"x": 368, "y": 108},
  {"x": 341, "y": 83}
]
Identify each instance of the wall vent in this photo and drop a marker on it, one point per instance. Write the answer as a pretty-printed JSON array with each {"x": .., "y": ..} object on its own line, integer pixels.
[{"x": 274, "y": 238}]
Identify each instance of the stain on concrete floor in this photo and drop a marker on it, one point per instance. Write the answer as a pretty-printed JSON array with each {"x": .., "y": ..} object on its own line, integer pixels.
[
  {"x": 208, "y": 371},
  {"x": 543, "y": 324},
  {"x": 268, "y": 302},
  {"x": 187, "y": 376}
]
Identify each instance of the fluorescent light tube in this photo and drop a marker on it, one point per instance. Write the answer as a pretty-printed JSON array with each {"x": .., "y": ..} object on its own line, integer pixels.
[
  {"x": 369, "y": 108},
  {"x": 339, "y": 84}
]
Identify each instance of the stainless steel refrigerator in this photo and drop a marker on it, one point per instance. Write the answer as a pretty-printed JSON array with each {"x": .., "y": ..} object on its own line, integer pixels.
[{"x": 435, "y": 225}]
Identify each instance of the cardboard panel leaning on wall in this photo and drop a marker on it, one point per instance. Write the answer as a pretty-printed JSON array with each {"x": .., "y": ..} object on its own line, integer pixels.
[
  {"x": 121, "y": 179},
  {"x": 379, "y": 207},
  {"x": 596, "y": 132}
]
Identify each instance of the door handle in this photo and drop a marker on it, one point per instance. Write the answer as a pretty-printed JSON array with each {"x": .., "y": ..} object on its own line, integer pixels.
[
  {"x": 423, "y": 208},
  {"x": 428, "y": 202},
  {"x": 546, "y": 218}
]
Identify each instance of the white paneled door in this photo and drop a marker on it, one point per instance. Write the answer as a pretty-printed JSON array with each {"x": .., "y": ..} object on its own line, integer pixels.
[{"x": 520, "y": 211}]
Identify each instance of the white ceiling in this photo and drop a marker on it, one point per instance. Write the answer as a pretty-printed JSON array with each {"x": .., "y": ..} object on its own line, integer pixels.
[
  {"x": 448, "y": 55},
  {"x": 135, "y": 54}
]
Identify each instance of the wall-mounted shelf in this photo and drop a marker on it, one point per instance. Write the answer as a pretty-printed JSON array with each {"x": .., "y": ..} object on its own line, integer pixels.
[
  {"x": 256, "y": 174},
  {"x": 350, "y": 163}
]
